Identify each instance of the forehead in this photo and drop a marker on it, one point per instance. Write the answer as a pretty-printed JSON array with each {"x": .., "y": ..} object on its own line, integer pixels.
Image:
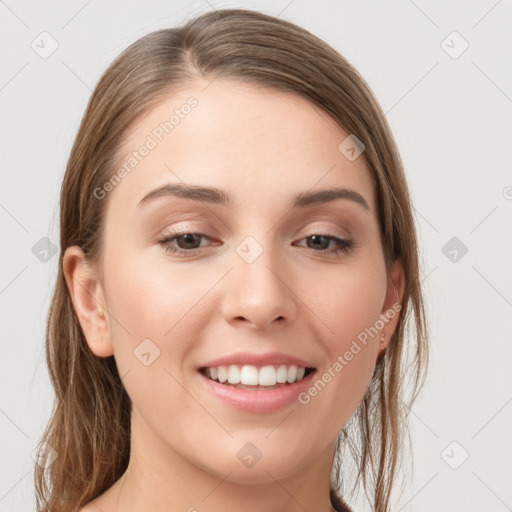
[{"x": 259, "y": 144}]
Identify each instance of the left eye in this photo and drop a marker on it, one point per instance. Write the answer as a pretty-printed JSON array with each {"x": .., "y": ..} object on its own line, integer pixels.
[
  {"x": 341, "y": 245},
  {"x": 190, "y": 242}
]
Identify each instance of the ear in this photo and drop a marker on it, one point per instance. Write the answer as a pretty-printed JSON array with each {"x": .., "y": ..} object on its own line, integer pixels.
[
  {"x": 88, "y": 300},
  {"x": 392, "y": 307}
]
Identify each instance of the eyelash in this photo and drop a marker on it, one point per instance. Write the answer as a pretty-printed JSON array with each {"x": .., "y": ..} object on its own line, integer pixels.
[{"x": 345, "y": 245}]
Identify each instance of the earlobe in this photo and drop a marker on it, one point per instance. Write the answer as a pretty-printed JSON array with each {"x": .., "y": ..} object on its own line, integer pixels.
[
  {"x": 396, "y": 281},
  {"x": 88, "y": 299},
  {"x": 384, "y": 340},
  {"x": 392, "y": 305}
]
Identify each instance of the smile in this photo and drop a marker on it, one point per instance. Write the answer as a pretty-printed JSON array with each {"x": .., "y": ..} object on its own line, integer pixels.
[
  {"x": 254, "y": 377},
  {"x": 256, "y": 382}
]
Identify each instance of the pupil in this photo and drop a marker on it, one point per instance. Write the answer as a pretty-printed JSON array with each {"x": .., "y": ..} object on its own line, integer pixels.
[
  {"x": 317, "y": 238},
  {"x": 189, "y": 238}
]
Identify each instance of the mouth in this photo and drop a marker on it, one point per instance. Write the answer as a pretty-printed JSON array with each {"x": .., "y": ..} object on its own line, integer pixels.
[
  {"x": 257, "y": 383},
  {"x": 256, "y": 378}
]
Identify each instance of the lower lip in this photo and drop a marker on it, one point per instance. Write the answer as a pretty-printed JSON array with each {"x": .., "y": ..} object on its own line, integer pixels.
[{"x": 259, "y": 400}]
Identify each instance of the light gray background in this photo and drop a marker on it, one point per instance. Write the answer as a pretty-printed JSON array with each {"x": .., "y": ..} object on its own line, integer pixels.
[{"x": 451, "y": 118}]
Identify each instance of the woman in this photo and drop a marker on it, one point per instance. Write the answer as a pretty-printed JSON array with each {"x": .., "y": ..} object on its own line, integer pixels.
[{"x": 238, "y": 268}]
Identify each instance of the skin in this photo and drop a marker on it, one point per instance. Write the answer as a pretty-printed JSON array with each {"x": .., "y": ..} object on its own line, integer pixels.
[{"x": 261, "y": 146}]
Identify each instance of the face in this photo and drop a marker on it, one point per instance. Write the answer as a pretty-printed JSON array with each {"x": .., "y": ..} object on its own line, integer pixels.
[{"x": 245, "y": 282}]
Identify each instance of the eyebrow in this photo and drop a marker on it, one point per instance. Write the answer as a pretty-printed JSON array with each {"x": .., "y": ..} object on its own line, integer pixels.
[{"x": 220, "y": 197}]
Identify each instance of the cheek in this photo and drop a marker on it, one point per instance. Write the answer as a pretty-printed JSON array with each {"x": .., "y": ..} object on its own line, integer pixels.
[
  {"x": 349, "y": 310},
  {"x": 149, "y": 301},
  {"x": 348, "y": 302},
  {"x": 155, "y": 320},
  {"x": 351, "y": 351}
]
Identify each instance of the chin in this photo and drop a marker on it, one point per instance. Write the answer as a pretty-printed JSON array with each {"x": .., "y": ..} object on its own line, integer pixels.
[{"x": 258, "y": 462}]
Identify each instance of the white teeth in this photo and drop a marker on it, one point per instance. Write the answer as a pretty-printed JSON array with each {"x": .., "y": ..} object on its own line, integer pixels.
[
  {"x": 268, "y": 376},
  {"x": 250, "y": 375},
  {"x": 222, "y": 373},
  {"x": 282, "y": 374},
  {"x": 292, "y": 374},
  {"x": 233, "y": 374}
]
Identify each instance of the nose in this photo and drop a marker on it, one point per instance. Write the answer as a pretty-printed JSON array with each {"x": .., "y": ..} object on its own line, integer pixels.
[{"x": 259, "y": 294}]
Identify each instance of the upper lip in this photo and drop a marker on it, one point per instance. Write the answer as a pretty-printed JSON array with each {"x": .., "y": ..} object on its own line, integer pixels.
[{"x": 249, "y": 358}]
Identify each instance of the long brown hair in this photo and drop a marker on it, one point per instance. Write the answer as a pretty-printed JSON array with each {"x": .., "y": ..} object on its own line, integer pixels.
[{"x": 89, "y": 428}]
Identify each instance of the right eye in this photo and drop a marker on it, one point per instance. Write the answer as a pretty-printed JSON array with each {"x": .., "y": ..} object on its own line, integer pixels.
[{"x": 186, "y": 240}]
